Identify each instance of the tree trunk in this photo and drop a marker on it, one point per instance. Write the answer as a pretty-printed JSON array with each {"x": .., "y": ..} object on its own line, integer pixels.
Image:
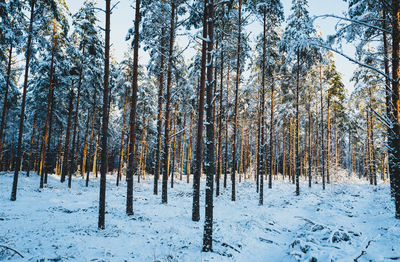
[
  {"x": 189, "y": 153},
  {"x": 132, "y": 117},
  {"x": 173, "y": 149},
  {"x": 388, "y": 98},
  {"x": 183, "y": 148},
  {"x": 4, "y": 112},
  {"x": 164, "y": 194},
  {"x": 85, "y": 146},
  {"x": 240, "y": 164},
  {"x": 199, "y": 137},
  {"x": 209, "y": 157},
  {"x": 91, "y": 146},
  {"x": 121, "y": 151},
  {"x": 328, "y": 147},
  {"x": 104, "y": 127},
  {"x": 31, "y": 145},
  {"x": 262, "y": 151},
  {"x": 371, "y": 122},
  {"x": 141, "y": 148},
  {"x": 283, "y": 153},
  {"x": 45, "y": 138},
  {"x": 257, "y": 149},
  {"x": 219, "y": 168},
  {"x": 271, "y": 134},
  {"x": 336, "y": 145},
  {"x": 234, "y": 150},
  {"x": 226, "y": 127},
  {"x": 159, "y": 119},
  {"x": 297, "y": 133},
  {"x": 67, "y": 136},
  {"x": 74, "y": 150},
  {"x": 309, "y": 139},
  {"x": 322, "y": 130}
]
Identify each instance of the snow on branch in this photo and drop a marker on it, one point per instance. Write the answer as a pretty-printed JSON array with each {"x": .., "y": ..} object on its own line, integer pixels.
[{"x": 353, "y": 60}]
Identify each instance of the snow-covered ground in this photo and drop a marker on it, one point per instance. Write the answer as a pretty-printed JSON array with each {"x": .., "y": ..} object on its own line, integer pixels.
[{"x": 348, "y": 220}]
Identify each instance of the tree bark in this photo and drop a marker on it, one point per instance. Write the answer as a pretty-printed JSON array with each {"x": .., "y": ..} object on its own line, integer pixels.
[
  {"x": 199, "y": 137},
  {"x": 210, "y": 157},
  {"x": 219, "y": 168},
  {"x": 49, "y": 113},
  {"x": 157, "y": 168},
  {"x": 121, "y": 150},
  {"x": 226, "y": 127},
  {"x": 322, "y": 130},
  {"x": 67, "y": 137},
  {"x": 104, "y": 127},
  {"x": 183, "y": 148},
  {"x": 309, "y": 139},
  {"x": 91, "y": 144},
  {"x": 132, "y": 117},
  {"x": 4, "y": 112},
  {"x": 31, "y": 145},
  {"x": 164, "y": 194},
  {"x": 297, "y": 133},
  {"x": 172, "y": 172},
  {"x": 234, "y": 151},
  {"x": 262, "y": 121},
  {"x": 85, "y": 147}
]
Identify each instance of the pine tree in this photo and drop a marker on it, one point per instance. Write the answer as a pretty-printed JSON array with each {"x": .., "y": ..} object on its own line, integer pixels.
[
  {"x": 297, "y": 42},
  {"x": 22, "y": 115}
]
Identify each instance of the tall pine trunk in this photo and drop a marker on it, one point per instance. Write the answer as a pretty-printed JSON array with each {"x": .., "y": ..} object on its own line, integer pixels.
[
  {"x": 226, "y": 127},
  {"x": 219, "y": 168},
  {"x": 104, "y": 127},
  {"x": 235, "y": 127},
  {"x": 172, "y": 172},
  {"x": 183, "y": 148},
  {"x": 297, "y": 133},
  {"x": 388, "y": 95},
  {"x": 322, "y": 130},
  {"x": 262, "y": 163},
  {"x": 164, "y": 194},
  {"x": 209, "y": 157},
  {"x": 85, "y": 147},
  {"x": 199, "y": 137},
  {"x": 189, "y": 151},
  {"x": 49, "y": 113},
  {"x": 31, "y": 145},
  {"x": 22, "y": 115},
  {"x": 121, "y": 150},
  {"x": 4, "y": 112},
  {"x": 91, "y": 144},
  {"x": 132, "y": 117},
  {"x": 309, "y": 139},
  {"x": 157, "y": 168},
  {"x": 271, "y": 135},
  {"x": 67, "y": 137}
]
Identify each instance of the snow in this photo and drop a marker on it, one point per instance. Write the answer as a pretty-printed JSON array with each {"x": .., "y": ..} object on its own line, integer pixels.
[{"x": 350, "y": 218}]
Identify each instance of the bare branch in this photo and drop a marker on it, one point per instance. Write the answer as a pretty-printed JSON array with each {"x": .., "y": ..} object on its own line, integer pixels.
[
  {"x": 353, "y": 60},
  {"x": 353, "y": 21},
  {"x": 9, "y": 248}
]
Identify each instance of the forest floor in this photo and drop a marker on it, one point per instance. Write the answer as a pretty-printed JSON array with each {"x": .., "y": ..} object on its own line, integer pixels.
[{"x": 349, "y": 220}]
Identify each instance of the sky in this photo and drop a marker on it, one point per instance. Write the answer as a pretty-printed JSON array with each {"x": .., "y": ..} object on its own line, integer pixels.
[{"x": 123, "y": 14}]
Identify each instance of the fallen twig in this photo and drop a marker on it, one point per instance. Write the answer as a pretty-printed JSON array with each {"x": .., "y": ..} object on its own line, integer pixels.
[
  {"x": 9, "y": 248},
  {"x": 363, "y": 252},
  {"x": 227, "y": 245}
]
